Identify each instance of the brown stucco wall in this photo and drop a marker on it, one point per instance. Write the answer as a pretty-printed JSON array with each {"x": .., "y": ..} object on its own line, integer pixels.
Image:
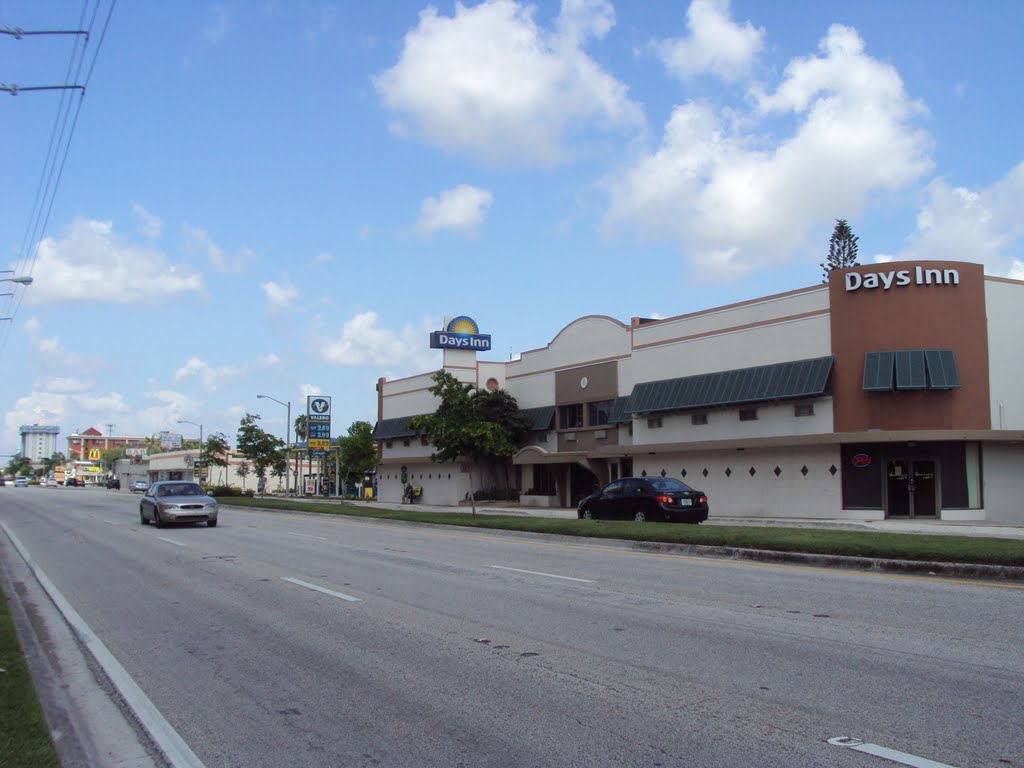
[{"x": 910, "y": 317}]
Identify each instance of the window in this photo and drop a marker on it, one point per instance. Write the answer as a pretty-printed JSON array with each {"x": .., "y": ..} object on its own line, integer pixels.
[
  {"x": 405, "y": 442},
  {"x": 542, "y": 437},
  {"x": 803, "y": 409},
  {"x": 570, "y": 416},
  {"x": 654, "y": 422},
  {"x": 423, "y": 440},
  {"x": 748, "y": 414},
  {"x": 387, "y": 443},
  {"x": 699, "y": 419},
  {"x": 598, "y": 413}
]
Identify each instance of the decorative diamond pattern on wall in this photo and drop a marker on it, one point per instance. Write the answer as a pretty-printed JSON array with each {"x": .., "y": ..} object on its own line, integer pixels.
[
  {"x": 728, "y": 472},
  {"x": 778, "y": 471},
  {"x": 804, "y": 470},
  {"x": 705, "y": 471},
  {"x": 663, "y": 473},
  {"x": 832, "y": 470},
  {"x": 682, "y": 472},
  {"x": 644, "y": 473},
  {"x": 753, "y": 471}
]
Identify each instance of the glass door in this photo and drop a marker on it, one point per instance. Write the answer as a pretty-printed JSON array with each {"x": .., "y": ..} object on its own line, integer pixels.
[{"x": 910, "y": 488}]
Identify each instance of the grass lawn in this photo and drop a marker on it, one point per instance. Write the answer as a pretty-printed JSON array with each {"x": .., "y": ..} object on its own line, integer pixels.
[
  {"x": 896, "y": 546},
  {"x": 24, "y": 737}
]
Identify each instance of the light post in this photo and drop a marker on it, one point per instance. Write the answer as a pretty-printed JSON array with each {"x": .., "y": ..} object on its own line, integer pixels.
[
  {"x": 287, "y": 436},
  {"x": 20, "y": 279},
  {"x": 186, "y": 421}
]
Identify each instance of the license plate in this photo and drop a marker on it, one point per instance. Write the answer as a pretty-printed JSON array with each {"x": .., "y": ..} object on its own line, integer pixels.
[{"x": 686, "y": 502}]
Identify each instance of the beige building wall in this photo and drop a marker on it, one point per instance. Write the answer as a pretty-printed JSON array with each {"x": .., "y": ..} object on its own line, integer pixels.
[{"x": 1005, "y": 343}]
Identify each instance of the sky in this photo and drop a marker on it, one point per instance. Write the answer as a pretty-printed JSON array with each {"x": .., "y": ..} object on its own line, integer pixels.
[{"x": 285, "y": 197}]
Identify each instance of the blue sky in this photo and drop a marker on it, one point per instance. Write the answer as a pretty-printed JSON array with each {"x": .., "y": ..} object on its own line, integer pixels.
[{"x": 287, "y": 197}]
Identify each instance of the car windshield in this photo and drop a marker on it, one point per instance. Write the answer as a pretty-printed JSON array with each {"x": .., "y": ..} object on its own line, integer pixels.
[
  {"x": 669, "y": 484},
  {"x": 180, "y": 489}
]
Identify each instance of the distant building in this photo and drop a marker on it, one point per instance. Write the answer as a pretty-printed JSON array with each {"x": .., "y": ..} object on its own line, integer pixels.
[
  {"x": 38, "y": 441},
  {"x": 91, "y": 443}
]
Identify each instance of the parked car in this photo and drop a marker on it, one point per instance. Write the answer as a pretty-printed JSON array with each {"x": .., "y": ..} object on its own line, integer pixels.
[
  {"x": 20, "y": 482},
  {"x": 114, "y": 483},
  {"x": 177, "y": 501},
  {"x": 140, "y": 486},
  {"x": 646, "y": 498},
  {"x": 80, "y": 482},
  {"x": 51, "y": 482}
]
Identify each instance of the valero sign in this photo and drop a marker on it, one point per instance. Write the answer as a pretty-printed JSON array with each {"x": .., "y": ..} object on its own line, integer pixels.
[{"x": 461, "y": 333}]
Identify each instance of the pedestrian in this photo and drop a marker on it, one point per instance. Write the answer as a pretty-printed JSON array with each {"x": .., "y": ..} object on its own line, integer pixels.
[{"x": 407, "y": 496}]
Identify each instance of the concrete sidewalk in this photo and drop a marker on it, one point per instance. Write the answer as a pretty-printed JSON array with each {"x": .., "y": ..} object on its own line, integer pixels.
[{"x": 915, "y": 525}]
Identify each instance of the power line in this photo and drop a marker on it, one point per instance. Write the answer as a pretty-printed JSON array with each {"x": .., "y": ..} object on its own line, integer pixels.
[{"x": 50, "y": 177}]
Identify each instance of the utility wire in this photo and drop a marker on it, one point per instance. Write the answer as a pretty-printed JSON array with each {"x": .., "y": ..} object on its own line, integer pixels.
[{"x": 32, "y": 241}]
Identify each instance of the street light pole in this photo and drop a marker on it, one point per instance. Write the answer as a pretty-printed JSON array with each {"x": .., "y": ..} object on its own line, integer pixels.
[
  {"x": 186, "y": 421},
  {"x": 287, "y": 436}
]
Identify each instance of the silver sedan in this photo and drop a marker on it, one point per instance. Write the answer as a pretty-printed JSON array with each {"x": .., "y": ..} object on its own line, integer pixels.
[{"x": 177, "y": 501}]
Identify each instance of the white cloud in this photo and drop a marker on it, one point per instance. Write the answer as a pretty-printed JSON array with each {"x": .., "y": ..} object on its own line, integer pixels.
[
  {"x": 362, "y": 341},
  {"x": 150, "y": 226},
  {"x": 715, "y": 44},
  {"x": 167, "y": 408},
  {"x": 310, "y": 389},
  {"x": 216, "y": 29},
  {"x": 212, "y": 378},
  {"x": 198, "y": 240},
  {"x": 93, "y": 263},
  {"x": 974, "y": 225},
  {"x": 322, "y": 258},
  {"x": 50, "y": 350},
  {"x": 737, "y": 201},
  {"x": 63, "y": 385},
  {"x": 460, "y": 209},
  {"x": 279, "y": 295},
  {"x": 491, "y": 83}
]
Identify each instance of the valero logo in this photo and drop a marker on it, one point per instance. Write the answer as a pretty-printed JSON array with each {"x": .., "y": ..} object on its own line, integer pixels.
[{"x": 461, "y": 333}]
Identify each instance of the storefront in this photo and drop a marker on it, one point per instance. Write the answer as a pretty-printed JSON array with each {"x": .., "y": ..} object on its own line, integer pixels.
[{"x": 893, "y": 391}]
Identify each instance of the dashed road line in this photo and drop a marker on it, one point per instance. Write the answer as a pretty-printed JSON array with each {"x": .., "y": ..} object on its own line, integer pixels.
[
  {"x": 171, "y": 541},
  {"x": 904, "y": 758},
  {"x": 538, "y": 573},
  {"x": 307, "y": 536},
  {"x": 314, "y": 587}
]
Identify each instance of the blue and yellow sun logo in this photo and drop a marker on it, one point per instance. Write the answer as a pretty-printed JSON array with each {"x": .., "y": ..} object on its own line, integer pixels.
[{"x": 462, "y": 324}]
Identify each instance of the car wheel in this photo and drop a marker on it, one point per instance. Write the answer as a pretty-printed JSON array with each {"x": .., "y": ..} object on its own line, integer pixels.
[
  {"x": 586, "y": 514},
  {"x": 142, "y": 517},
  {"x": 640, "y": 516},
  {"x": 157, "y": 520},
  {"x": 211, "y": 523}
]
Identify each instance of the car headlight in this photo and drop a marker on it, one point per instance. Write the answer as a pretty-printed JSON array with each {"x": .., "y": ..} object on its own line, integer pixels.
[
  {"x": 167, "y": 507},
  {"x": 212, "y": 507}
]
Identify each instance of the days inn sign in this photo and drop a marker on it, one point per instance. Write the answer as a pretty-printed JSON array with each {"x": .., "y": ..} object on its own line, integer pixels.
[
  {"x": 898, "y": 278},
  {"x": 461, "y": 333}
]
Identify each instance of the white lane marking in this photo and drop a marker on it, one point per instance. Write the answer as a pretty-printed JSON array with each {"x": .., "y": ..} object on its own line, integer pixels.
[
  {"x": 171, "y": 541},
  {"x": 538, "y": 573},
  {"x": 167, "y": 739},
  {"x": 306, "y": 535},
  {"x": 307, "y": 585},
  {"x": 110, "y": 522},
  {"x": 889, "y": 754}
]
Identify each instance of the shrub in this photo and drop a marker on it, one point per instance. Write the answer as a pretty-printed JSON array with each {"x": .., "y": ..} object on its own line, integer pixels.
[{"x": 497, "y": 494}]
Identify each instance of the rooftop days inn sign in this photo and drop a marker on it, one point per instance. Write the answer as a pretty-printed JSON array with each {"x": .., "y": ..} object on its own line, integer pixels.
[
  {"x": 461, "y": 333},
  {"x": 886, "y": 280}
]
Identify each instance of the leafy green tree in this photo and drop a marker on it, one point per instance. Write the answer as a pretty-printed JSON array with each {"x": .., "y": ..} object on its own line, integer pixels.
[
  {"x": 842, "y": 249},
  {"x": 262, "y": 448},
  {"x": 110, "y": 455},
  {"x": 216, "y": 451},
  {"x": 18, "y": 465},
  {"x": 244, "y": 470},
  {"x": 358, "y": 452},
  {"x": 280, "y": 470},
  {"x": 458, "y": 428}
]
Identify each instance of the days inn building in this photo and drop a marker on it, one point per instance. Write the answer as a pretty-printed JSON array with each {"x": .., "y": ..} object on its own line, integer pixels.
[{"x": 893, "y": 391}]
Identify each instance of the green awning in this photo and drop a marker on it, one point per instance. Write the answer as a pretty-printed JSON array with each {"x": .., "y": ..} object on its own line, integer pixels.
[
  {"x": 620, "y": 410},
  {"x": 914, "y": 369},
  {"x": 762, "y": 383},
  {"x": 540, "y": 418},
  {"x": 388, "y": 429}
]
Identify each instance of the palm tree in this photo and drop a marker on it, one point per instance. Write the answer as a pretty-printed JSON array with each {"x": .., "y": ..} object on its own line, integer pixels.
[{"x": 301, "y": 431}]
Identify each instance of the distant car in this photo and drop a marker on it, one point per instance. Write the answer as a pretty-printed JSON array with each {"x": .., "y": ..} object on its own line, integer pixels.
[
  {"x": 646, "y": 498},
  {"x": 114, "y": 483},
  {"x": 20, "y": 482},
  {"x": 80, "y": 481},
  {"x": 177, "y": 501},
  {"x": 140, "y": 486},
  {"x": 51, "y": 482}
]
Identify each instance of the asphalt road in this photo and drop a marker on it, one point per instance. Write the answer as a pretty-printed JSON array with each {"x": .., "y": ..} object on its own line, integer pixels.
[{"x": 299, "y": 640}]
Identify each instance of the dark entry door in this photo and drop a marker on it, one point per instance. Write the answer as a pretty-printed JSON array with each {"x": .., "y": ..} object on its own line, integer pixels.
[{"x": 910, "y": 488}]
